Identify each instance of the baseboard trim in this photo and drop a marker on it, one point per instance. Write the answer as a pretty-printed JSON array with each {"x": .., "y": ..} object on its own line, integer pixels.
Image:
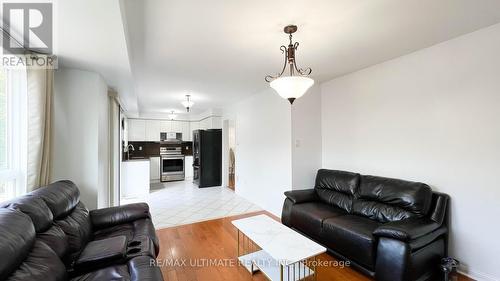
[{"x": 478, "y": 276}]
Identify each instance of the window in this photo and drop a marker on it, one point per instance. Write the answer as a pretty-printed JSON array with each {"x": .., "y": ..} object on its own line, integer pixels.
[{"x": 12, "y": 133}]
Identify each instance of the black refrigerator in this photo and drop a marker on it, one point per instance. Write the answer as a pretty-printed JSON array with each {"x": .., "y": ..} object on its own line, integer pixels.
[{"x": 207, "y": 157}]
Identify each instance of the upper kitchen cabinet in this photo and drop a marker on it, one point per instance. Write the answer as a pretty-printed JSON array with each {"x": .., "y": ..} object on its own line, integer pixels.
[
  {"x": 153, "y": 130},
  {"x": 206, "y": 124},
  {"x": 149, "y": 130},
  {"x": 176, "y": 127},
  {"x": 216, "y": 122},
  {"x": 186, "y": 131},
  {"x": 166, "y": 126},
  {"x": 136, "y": 130},
  {"x": 213, "y": 122},
  {"x": 193, "y": 127}
]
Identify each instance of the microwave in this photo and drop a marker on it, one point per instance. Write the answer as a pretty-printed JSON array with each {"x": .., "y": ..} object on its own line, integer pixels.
[{"x": 170, "y": 136}]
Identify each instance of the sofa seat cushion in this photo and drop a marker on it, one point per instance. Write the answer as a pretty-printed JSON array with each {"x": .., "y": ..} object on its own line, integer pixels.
[
  {"x": 308, "y": 217},
  {"x": 351, "y": 236},
  {"x": 41, "y": 264},
  {"x": 132, "y": 230},
  {"x": 116, "y": 272},
  {"x": 137, "y": 269}
]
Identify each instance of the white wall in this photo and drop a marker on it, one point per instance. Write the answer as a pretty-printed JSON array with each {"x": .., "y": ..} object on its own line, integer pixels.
[
  {"x": 80, "y": 134},
  {"x": 431, "y": 116},
  {"x": 103, "y": 143},
  {"x": 263, "y": 149},
  {"x": 306, "y": 139}
]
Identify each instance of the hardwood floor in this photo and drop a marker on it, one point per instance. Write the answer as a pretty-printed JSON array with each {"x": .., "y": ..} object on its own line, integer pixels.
[{"x": 207, "y": 251}]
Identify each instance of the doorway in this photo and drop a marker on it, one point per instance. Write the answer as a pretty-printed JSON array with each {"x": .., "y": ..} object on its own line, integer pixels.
[{"x": 230, "y": 154}]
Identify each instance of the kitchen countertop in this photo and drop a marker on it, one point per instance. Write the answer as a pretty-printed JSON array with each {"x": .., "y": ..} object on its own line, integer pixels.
[
  {"x": 135, "y": 159},
  {"x": 146, "y": 158}
]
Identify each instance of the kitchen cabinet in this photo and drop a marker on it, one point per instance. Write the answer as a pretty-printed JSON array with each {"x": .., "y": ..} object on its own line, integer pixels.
[
  {"x": 149, "y": 130},
  {"x": 154, "y": 170},
  {"x": 193, "y": 127},
  {"x": 176, "y": 127},
  {"x": 216, "y": 122},
  {"x": 134, "y": 179},
  {"x": 188, "y": 167},
  {"x": 136, "y": 130},
  {"x": 165, "y": 126},
  {"x": 152, "y": 130},
  {"x": 187, "y": 135},
  {"x": 206, "y": 123}
]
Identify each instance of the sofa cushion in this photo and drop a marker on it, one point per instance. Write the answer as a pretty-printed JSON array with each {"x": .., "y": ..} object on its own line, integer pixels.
[
  {"x": 56, "y": 239},
  {"x": 40, "y": 264},
  {"x": 17, "y": 236},
  {"x": 61, "y": 197},
  {"x": 337, "y": 188},
  {"x": 115, "y": 272},
  {"x": 308, "y": 217},
  {"x": 35, "y": 208},
  {"x": 386, "y": 199},
  {"x": 137, "y": 269},
  {"x": 351, "y": 236},
  {"x": 77, "y": 228}
]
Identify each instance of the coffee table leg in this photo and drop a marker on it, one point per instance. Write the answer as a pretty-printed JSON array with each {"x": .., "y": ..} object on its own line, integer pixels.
[{"x": 238, "y": 243}]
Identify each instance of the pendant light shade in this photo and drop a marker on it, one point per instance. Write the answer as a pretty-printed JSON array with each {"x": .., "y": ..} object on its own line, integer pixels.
[
  {"x": 291, "y": 87},
  {"x": 188, "y": 103},
  {"x": 296, "y": 83},
  {"x": 172, "y": 115}
]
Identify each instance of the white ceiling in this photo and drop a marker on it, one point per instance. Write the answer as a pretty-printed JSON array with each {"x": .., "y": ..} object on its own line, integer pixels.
[
  {"x": 156, "y": 51},
  {"x": 89, "y": 35}
]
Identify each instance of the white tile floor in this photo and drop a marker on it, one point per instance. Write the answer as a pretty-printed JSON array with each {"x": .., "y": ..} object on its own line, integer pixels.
[{"x": 177, "y": 203}]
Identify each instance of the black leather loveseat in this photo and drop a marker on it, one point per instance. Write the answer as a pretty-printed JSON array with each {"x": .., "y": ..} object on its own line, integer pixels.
[
  {"x": 390, "y": 229},
  {"x": 49, "y": 235}
]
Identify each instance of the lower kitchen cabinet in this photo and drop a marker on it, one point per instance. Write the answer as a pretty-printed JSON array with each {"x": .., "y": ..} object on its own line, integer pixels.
[
  {"x": 188, "y": 167},
  {"x": 154, "y": 172}
]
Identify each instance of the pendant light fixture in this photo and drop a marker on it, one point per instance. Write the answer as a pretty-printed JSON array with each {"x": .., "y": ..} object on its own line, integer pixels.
[
  {"x": 296, "y": 83},
  {"x": 188, "y": 103},
  {"x": 172, "y": 115}
]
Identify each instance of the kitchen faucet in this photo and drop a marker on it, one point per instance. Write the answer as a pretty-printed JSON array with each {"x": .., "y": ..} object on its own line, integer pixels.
[{"x": 129, "y": 147}]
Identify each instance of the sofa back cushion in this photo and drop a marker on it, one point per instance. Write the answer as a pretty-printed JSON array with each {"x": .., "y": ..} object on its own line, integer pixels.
[
  {"x": 17, "y": 236},
  {"x": 70, "y": 215},
  {"x": 41, "y": 216},
  {"x": 35, "y": 208},
  {"x": 337, "y": 188},
  {"x": 77, "y": 227},
  {"x": 61, "y": 197},
  {"x": 386, "y": 199}
]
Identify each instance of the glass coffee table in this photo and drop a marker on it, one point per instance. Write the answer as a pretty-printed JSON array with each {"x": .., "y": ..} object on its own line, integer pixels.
[{"x": 277, "y": 251}]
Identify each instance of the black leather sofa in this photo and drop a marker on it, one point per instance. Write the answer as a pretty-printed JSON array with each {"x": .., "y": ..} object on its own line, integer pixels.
[
  {"x": 390, "y": 229},
  {"x": 48, "y": 235}
]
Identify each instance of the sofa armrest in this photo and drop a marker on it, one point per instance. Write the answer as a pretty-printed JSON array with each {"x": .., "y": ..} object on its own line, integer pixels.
[
  {"x": 301, "y": 196},
  {"x": 101, "y": 253},
  {"x": 407, "y": 230},
  {"x": 102, "y": 218}
]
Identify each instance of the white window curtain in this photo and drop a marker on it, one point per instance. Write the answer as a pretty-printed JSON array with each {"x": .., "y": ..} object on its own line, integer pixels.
[
  {"x": 40, "y": 85},
  {"x": 13, "y": 128}
]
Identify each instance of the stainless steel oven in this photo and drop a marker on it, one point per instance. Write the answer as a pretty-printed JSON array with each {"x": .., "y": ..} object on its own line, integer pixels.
[{"x": 172, "y": 163}]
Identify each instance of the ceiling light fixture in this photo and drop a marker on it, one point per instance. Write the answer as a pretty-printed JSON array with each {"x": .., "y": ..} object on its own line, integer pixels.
[
  {"x": 172, "y": 115},
  {"x": 188, "y": 103},
  {"x": 296, "y": 84}
]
